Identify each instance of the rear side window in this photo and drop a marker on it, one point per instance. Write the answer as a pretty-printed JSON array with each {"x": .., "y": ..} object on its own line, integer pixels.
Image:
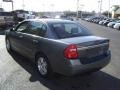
[
  {"x": 38, "y": 28},
  {"x": 67, "y": 30}
]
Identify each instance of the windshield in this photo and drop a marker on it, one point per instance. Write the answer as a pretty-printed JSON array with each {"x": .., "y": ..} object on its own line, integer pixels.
[{"x": 67, "y": 30}]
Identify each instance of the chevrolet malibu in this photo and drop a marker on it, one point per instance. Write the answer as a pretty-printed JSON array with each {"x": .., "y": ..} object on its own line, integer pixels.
[{"x": 59, "y": 46}]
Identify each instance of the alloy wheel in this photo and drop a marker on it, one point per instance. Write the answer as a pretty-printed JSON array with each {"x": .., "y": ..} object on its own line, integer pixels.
[{"x": 42, "y": 66}]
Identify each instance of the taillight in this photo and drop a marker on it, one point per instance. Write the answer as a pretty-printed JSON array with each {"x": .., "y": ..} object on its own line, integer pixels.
[{"x": 70, "y": 52}]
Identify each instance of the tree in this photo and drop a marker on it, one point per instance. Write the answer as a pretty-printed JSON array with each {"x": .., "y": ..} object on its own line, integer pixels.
[{"x": 106, "y": 13}]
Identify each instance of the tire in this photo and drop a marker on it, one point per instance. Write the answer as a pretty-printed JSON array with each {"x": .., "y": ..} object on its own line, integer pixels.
[
  {"x": 119, "y": 28},
  {"x": 44, "y": 67},
  {"x": 8, "y": 46}
]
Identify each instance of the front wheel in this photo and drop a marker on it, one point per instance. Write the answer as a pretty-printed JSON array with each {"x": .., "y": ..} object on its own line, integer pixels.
[
  {"x": 44, "y": 67},
  {"x": 8, "y": 46}
]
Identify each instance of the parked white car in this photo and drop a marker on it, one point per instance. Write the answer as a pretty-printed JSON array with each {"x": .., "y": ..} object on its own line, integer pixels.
[
  {"x": 117, "y": 26},
  {"x": 101, "y": 22},
  {"x": 111, "y": 24}
]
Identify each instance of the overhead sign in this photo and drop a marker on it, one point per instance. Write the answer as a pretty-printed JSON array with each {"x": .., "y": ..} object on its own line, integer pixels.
[{"x": 7, "y": 0}]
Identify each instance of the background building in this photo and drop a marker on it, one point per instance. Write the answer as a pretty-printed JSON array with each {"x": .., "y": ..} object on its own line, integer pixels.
[{"x": 116, "y": 11}]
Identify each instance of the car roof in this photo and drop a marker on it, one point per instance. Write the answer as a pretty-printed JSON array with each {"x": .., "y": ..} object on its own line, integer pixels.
[{"x": 51, "y": 20}]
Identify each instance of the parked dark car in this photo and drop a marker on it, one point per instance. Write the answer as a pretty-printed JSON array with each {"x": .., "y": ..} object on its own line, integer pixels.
[{"x": 59, "y": 46}]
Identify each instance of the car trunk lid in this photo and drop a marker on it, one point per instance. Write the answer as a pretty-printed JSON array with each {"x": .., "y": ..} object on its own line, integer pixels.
[{"x": 89, "y": 46}]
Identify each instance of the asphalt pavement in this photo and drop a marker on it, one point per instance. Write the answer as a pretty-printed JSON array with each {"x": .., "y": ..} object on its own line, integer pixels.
[{"x": 18, "y": 73}]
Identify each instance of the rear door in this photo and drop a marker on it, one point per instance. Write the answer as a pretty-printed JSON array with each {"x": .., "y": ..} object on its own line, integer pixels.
[{"x": 37, "y": 31}]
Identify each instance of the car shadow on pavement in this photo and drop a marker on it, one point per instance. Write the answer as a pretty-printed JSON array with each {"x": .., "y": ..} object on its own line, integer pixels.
[{"x": 97, "y": 81}]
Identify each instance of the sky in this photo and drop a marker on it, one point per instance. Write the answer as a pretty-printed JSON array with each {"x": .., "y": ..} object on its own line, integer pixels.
[{"x": 58, "y": 5}]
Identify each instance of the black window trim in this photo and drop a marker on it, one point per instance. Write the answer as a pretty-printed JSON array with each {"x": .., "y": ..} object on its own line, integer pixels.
[
  {"x": 20, "y": 25},
  {"x": 30, "y": 22}
]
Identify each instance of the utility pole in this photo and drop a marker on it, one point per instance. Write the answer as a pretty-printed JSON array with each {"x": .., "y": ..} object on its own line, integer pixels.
[
  {"x": 81, "y": 15},
  {"x": 100, "y": 6},
  {"x": 109, "y": 9},
  {"x": 12, "y": 5},
  {"x": 23, "y": 5},
  {"x": 77, "y": 16}
]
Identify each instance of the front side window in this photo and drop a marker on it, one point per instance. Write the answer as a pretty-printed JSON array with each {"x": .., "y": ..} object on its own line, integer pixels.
[
  {"x": 23, "y": 27},
  {"x": 38, "y": 28},
  {"x": 67, "y": 30}
]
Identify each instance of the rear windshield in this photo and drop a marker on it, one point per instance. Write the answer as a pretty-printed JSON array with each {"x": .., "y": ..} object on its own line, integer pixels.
[{"x": 68, "y": 30}]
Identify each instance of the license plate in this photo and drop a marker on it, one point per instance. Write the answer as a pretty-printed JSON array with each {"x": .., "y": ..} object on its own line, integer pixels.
[{"x": 95, "y": 52}]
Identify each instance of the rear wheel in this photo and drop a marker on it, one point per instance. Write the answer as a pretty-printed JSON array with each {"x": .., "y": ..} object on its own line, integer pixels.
[{"x": 43, "y": 66}]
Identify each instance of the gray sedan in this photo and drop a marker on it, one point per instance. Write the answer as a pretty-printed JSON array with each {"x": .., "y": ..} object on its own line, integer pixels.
[{"x": 59, "y": 46}]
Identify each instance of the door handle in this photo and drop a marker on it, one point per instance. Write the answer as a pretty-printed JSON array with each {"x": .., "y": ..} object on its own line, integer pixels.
[
  {"x": 21, "y": 36},
  {"x": 35, "y": 41}
]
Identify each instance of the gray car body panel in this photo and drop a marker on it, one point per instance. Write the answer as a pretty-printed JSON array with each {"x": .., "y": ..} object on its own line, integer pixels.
[{"x": 54, "y": 48}]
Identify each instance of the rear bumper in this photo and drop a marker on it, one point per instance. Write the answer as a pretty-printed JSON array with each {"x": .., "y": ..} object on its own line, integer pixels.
[{"x": 77, "y": 68}]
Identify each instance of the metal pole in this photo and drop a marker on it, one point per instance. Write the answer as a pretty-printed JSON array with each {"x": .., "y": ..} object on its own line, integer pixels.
[
  {"x": 12, "y": 5},
  {"x": 77, "y": 9},
  {"x": 81, "y": 14},
  {"x": 109, "y": 9},
  {"x": 100, "y": 6},
  {"x": 23, "y": 5},
  {"x": 81, "y": 10}
]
